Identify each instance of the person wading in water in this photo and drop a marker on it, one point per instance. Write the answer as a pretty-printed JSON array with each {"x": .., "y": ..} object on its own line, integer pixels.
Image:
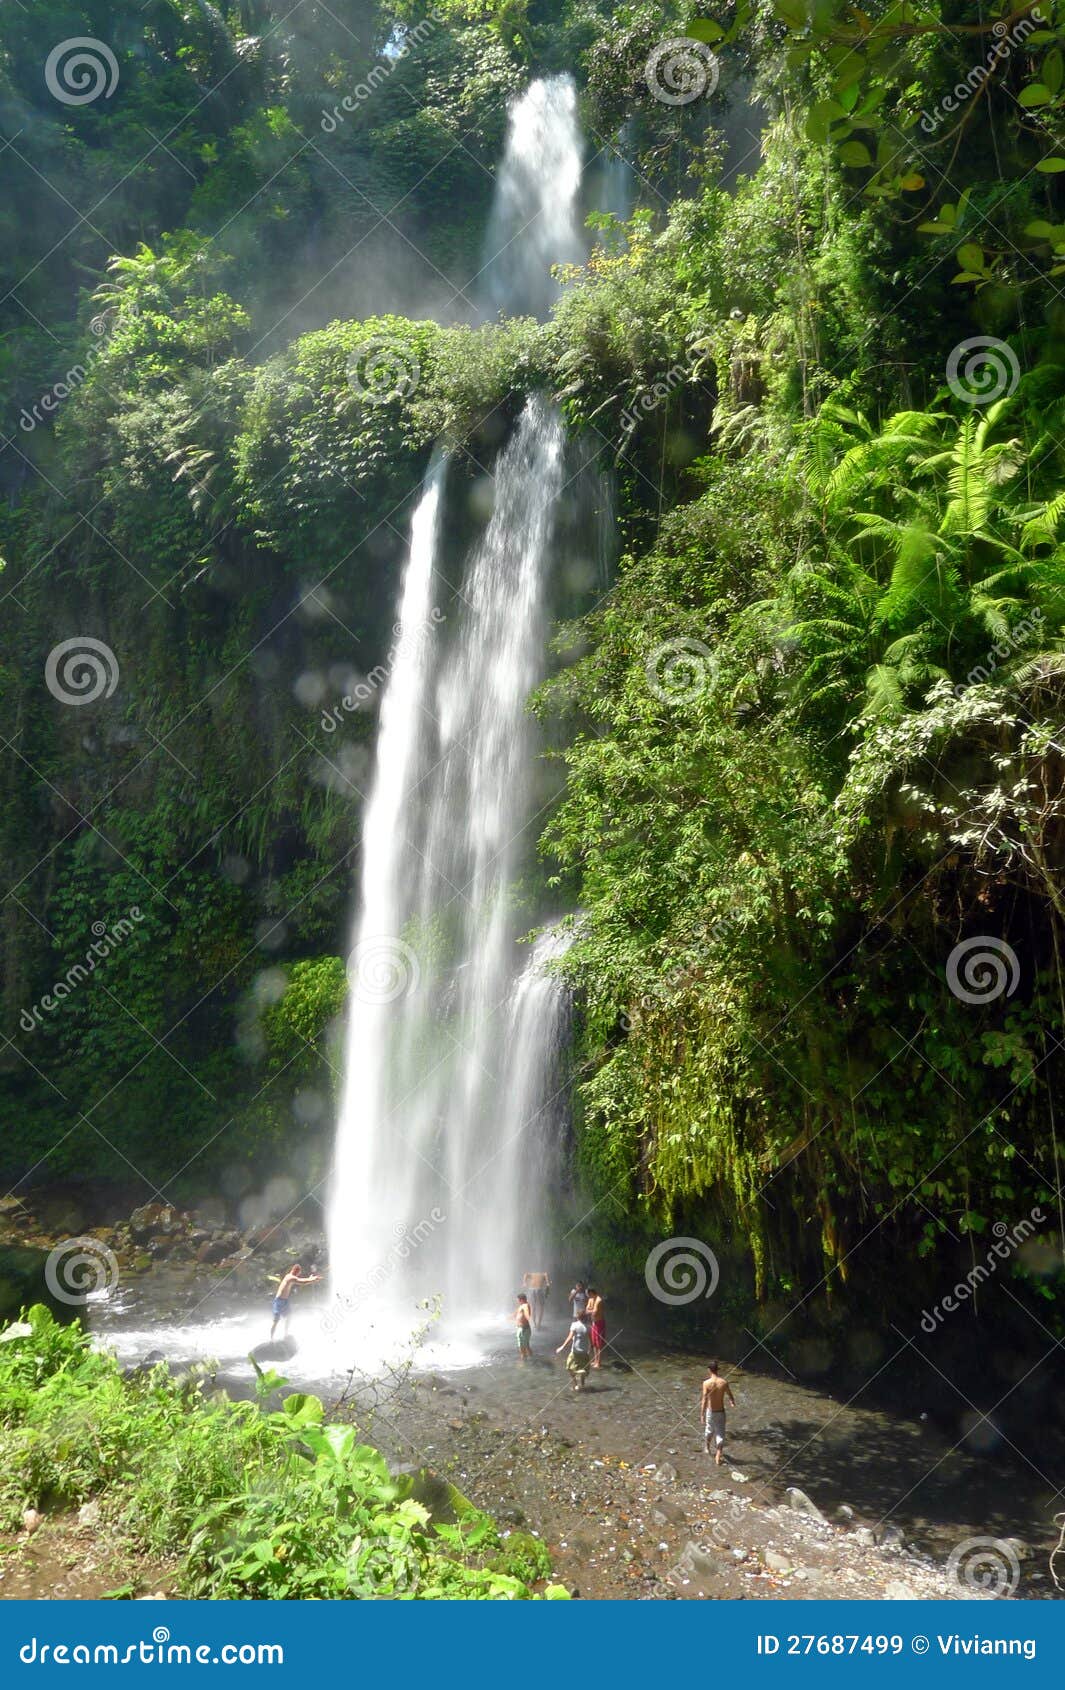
[
  {"x": 537, "y": 1285},
  {"x": 597, "y": 1321},
  {"x": 578, "y": 1299},
  {"x": 712, "y": 1410},
  {"x": 523, "y": 1327},
  {"x": 580, "y": 1351},
  {"x": 280, "y": 1309}
]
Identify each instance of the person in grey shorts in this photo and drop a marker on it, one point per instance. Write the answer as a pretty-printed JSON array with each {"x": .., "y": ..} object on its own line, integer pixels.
[{"x": 712, "y": 1410}]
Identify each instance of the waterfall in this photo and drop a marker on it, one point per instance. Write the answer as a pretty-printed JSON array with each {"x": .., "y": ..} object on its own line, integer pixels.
[
  {"x": 534, "y": 221},
  {"x": 448, "y": 1129}
]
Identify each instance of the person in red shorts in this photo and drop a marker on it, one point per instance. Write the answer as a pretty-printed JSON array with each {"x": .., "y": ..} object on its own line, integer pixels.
[{"x": 596, "y": 1319}]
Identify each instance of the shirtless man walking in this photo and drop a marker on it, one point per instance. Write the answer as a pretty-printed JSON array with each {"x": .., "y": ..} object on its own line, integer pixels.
[{"x": 712, "y": 1410}]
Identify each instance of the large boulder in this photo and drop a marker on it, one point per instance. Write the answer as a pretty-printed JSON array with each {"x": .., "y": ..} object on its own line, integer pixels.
[
  {"x": 444, "y": 1502},
  {"x": 24, "y": 1281}
]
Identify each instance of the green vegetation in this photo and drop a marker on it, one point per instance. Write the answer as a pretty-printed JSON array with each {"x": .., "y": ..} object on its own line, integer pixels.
[
  {"x": 810, "y": 738},
  {"x": 251, "y": 1501}
]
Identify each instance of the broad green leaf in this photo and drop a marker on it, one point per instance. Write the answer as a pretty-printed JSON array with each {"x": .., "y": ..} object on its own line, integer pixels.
[
  {"x": 1051, "y": 166},
  {"x": 1036, "y": 94},
  {"x": 855, "y": 153},
  {"x": 704, "y": 29}
]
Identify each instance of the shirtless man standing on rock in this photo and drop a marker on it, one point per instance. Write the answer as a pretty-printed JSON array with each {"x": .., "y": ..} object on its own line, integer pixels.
[{"x": 712, "y": 1410}]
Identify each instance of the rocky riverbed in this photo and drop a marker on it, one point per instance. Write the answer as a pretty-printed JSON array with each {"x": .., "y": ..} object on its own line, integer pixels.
[{"x": 819, "y": 1498}]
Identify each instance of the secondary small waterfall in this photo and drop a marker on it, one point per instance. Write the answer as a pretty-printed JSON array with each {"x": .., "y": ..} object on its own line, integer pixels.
[
  {"x": 534, "y": 222},
  {"x": 448, "y": 1130}
]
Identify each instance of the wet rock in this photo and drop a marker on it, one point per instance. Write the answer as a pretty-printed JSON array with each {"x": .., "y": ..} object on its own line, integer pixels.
[
  {"x": 23, "y": 1282},
  {"x": 666, "y": 1474},
  {"x": 891, "y": 1538},
  {"x": 154, "y": 1358},
  {"x": 445, "y": 1502},
  {"x": 212, "y": 1251},
  {"x": 866, "y": 1536},
  {"x": 153, "y": 1219},
  {"x": 277, "y": 1349},
  {"x": 802, "y": 1504},
  {"x": 61, "y": 1215},
  {"x": 846, "y": 1512},
  {"x": 667, "y": 1513},
  {"x": 698, "y": 1559},
  {"x": 777, "y": 1563}
]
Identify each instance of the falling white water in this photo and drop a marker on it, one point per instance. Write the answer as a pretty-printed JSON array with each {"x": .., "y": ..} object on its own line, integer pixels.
[
  {"x": 534, "y": 223},
  {"x": 448, "y": 1131}
]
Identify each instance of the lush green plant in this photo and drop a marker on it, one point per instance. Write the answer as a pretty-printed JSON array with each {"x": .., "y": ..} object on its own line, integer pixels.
[{"x": 253, "y": 1501}]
